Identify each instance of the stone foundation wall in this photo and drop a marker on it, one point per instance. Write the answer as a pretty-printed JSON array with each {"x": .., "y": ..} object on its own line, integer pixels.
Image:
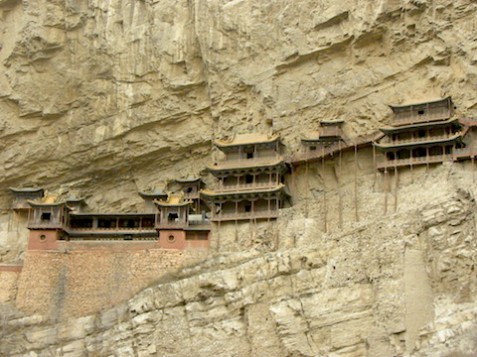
[{"x": 84, "y": 278}]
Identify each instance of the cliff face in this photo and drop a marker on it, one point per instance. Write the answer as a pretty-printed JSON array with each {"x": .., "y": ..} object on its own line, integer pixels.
[
  {"x": 399, "y": 286},
  {"x": 102, "y": 98}
]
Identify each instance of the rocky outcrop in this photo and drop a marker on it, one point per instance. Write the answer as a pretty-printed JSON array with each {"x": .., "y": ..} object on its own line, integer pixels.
[{"x": 408, "y": 291}]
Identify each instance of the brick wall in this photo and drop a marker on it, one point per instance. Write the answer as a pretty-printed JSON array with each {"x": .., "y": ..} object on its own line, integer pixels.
[{"x": 82, "y": 278}]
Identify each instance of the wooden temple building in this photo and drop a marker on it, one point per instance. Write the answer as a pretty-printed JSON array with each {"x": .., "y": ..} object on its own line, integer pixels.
[
  {"x": 52, "y": 219},
  {"x": 21, "y": 196},
  {"x": 191, "y": 187},
  {"x": 250, "y": 179},
  {"x": 328, "y": 139},
  {"x": 422, "y": 134},
  {"x": 177, "y": 228},
  {"x": 251, "y": 185}
]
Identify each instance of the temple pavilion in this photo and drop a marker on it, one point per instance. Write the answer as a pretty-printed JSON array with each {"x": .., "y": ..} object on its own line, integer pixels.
[
  {"x": 176, "y": 227},
  {"x": 250, "y": 179},
  {"x": 21, "y": 196},
  {"x": 328, "y": 139},
  {"x": 47, "y": 222},
  {"x": 191, "y": 187},
  {"x": 421, "y": 133}
]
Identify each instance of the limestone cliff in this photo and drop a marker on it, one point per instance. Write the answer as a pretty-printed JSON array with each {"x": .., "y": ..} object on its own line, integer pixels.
[{"x": 102, "y": 98}]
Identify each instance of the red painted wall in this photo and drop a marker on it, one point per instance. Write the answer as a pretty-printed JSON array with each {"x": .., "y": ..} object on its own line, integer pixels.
[
  {"x": 43, "y": 240},
  {"x": 172, "y": 239}
]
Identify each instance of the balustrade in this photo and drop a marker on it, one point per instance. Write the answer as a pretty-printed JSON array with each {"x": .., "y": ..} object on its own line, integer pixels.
[{"x": 413, "y": 118}]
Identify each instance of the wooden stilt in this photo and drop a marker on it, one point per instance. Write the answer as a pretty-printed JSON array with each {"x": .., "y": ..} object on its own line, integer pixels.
[
  {"x": 385, "y": 191},
  {"x": 307, "y": 189},
  {"x": 375, "y": 168},
  {"x": 324, "y": 189},
  {"x": 292, "y": 174},
  {"x": 340, "y": 203},
  {"x": 396, "y": 186},
  {"x": 218, "y": 227},
  {"x": 236, "y": 222},
  {"x": 473, "y": 168},
  {"x": 356, "y": 182}
]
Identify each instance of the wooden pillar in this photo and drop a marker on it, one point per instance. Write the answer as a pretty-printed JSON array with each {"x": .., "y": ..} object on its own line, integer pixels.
[
  {"x": 472, "y": 160},
  {"x": 340, "y": 203},
  {"x": 427, "y": 157},
  {"x": 307, "y": 189},
  {"x": 356, "y": 167},
  {"x": 252, "y": 209},
  {"x": 375, "y": 166},
  {"x": 218, "y": 226},
  {"x": 385, "y": 190},
  {"x": 396, "y": 186},
  {"x": 292, "y": 174},
  {"x": 325, "y": 224},
  {"x": 268, "y": 209},
  {"x": 236, "y": 221}
]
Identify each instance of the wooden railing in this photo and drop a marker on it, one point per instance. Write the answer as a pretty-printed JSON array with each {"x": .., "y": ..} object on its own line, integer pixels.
[
  {"x": 238, "y": 163},
  {"x": 413, "y": 161},
  {"x": 414, "y": 119},
  {"x": 167, "y": 224},
  {"x": 245, "y": 187},
  {"x": 422, "y": 139},
  {"x": 110, "y": 229},
  {"x": 45, "y": 224}
]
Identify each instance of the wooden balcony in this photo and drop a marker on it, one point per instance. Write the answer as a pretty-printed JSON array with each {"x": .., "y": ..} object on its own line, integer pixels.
[
  {"x": 419, "y": 141},
  {"x": 170, "y": 225},
  {"x": 424, "y": 118},
  {"x": 109, "y": 230},
  {"x": 46, "y": 225},
  {"x": 246, "y": 163},
  {"x": 457, "y": 155},
  {"x": 246, "y": 187}
]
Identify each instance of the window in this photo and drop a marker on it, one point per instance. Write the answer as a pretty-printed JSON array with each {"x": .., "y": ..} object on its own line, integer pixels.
[
  {"x": 249, "y": 153},
  {"x": 248, "y": 207},
  {"x": 172, "y": 217},
  {"x": 45, "y": 216},
  {"x": 421, "y": 133},
  {"x": 189, "y": 190},
  {"x": 312, "y": 148},
  {"x": 420, "y": 112},
  {"x": 248, "y": 179}
]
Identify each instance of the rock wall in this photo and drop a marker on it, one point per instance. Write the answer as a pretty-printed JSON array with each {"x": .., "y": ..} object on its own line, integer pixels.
[
  {"x": 410, "y": 291},
  {"x": 101, "y": 99}
]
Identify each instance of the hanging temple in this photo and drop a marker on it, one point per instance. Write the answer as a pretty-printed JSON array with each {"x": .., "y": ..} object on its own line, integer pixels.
[{"x": 251, "y": 183}]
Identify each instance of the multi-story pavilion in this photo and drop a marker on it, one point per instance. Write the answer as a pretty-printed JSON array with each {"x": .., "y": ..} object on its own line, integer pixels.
[
  {"x": 422, "y": 133},
  {"x": 250, "y": 179},
  {"x": 177, "y": 229}
]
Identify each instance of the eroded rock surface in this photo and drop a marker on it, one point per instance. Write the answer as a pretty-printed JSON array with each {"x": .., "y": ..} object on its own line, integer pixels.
[{"x": 102, "y": 98}]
